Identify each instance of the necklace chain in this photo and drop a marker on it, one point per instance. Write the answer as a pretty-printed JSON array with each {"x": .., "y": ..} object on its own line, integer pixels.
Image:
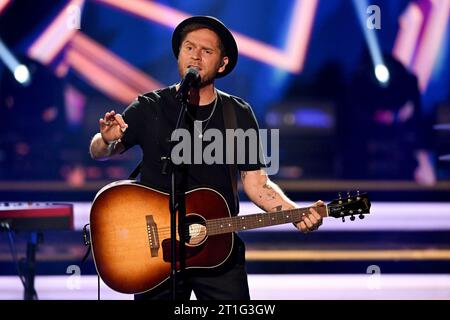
[{"x": 200, "y": 132}]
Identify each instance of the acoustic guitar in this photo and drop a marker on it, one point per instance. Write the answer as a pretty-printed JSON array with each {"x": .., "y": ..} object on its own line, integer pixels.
[{"x": 130, "y": 231}]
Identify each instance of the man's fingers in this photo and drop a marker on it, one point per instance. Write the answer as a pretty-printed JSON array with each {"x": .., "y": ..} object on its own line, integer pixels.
[
  {"x": 121, "y": 122},
  {"x": 315, "y": 214},
  {"x": 303, "y": 227},
  {"x": 319, "y": 203},
  {"x": 313, "y": 220},
  {"x": 109, "y": 117},
  {"x": 103, "y": 123},
  {"x": 308, "y": 222}
]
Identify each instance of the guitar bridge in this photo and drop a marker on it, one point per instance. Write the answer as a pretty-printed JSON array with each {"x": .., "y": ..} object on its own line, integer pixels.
[{"x": 152, "y": 232}]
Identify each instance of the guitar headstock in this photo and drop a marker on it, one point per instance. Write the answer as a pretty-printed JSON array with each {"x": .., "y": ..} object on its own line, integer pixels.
[{"x": 357, "y": 204}]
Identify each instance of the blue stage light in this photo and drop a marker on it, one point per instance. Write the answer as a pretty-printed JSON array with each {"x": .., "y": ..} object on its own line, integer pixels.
[{"x": 20, "y": 71}]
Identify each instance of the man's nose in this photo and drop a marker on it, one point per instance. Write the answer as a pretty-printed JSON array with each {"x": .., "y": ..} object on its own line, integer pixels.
[{"x": 195, "y": 54}]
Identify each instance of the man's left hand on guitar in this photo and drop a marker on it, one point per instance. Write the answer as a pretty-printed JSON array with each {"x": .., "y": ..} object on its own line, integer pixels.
[{"x": 312, "y": 220}]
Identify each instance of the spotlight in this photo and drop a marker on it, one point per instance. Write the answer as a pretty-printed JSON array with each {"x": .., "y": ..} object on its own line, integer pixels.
[
  {"x": 20, "y": 71},
  {"x": 382, "y": 73},
  {"x": 21, "y": 74}
]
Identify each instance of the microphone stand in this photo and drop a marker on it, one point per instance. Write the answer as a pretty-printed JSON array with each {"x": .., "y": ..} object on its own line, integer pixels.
[{"x": 174, "y": 200}]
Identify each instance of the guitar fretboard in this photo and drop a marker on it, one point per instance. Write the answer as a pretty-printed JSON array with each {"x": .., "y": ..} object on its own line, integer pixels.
[{"x": 258, "y": 220}]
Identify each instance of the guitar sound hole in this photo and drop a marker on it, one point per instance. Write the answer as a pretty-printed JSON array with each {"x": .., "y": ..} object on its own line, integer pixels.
[{"x": 195, "y": 230}]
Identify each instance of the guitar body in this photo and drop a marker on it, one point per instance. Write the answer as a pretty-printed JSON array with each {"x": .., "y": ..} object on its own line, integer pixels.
[{"x": 130, "y": 235}]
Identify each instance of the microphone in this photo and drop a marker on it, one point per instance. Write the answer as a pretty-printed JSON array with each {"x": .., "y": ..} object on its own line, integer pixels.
[{"x": 191, "y": 79}]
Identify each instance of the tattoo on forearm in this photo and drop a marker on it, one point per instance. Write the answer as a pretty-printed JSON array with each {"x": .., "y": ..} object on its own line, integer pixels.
[
  {"x": 270, "y": 198},
  {"x": 270, "y": 194},
  {"x": 266, "y": 186}
]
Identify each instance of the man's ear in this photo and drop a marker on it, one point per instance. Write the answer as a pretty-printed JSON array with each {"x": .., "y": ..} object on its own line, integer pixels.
[{"x": 223, "y": 64}]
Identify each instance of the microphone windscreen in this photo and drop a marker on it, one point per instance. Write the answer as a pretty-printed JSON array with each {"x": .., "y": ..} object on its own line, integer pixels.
[{"x": 192, "y": 75}]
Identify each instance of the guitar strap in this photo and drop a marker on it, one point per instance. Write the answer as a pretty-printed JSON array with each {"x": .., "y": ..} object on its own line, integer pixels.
[
  {"x": 229, "y": 119},
  {"x": 133, "y": 175}
]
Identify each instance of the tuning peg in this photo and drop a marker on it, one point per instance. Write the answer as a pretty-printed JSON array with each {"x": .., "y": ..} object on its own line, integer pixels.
[
  {"x": 361, "y": 216},
  {"x": 352, "y": 218},
  {"x": 340, "y": 197},
  {"x": 343, "y": 219},
  {"x": 348, "y": 196}
]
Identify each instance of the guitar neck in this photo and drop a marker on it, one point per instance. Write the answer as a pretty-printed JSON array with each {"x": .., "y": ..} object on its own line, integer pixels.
[{"x": 258, "y": 220}]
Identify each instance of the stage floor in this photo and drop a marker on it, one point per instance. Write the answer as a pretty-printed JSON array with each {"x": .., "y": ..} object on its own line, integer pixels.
[
  {"x": 409, "y": 242},
  {"x": 262, "y": 287}
]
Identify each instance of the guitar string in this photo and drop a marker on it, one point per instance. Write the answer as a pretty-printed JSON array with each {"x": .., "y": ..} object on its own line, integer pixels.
[
  {"x": 166, "y": 230},
  {"x": 166, "y": 233},
  {"x": 294, "y": 212},
  {"x": 237, "y": 225},
  {"x": 214, "y": 223},
  {"x": 236, "y": 220},
  {"x": 245, "y": 218}
]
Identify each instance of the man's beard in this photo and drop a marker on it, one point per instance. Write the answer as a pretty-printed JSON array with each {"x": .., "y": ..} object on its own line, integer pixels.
[
  {"x": 209, "y": 80},
  {"x": 206, "y": 82}
]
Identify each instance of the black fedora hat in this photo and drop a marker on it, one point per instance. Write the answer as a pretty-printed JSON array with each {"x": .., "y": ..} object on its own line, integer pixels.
[{"x": 231, "y": 50}]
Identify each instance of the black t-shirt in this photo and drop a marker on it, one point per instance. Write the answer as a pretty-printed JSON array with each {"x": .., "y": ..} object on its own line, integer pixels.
[{"x": 151, "y": 119}]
